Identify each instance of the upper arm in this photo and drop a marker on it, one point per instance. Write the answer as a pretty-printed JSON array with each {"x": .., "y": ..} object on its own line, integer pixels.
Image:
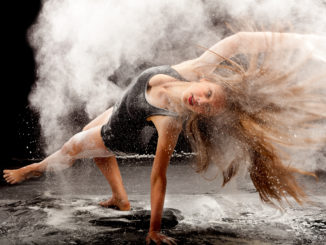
[{"x": 255, "y": 42}]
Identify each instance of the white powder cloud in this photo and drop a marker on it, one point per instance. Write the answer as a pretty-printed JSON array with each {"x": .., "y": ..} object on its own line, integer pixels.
[{"x": 79, "y": 44}]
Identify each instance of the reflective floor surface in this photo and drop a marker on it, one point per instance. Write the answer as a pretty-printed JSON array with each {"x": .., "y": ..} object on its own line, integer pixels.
[{"x": 63, "y": 209}]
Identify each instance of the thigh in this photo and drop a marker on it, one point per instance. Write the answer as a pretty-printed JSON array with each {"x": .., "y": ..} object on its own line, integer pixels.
[
  {"x": 87, "y": 144},
  {"x": 100, "y": 120}
]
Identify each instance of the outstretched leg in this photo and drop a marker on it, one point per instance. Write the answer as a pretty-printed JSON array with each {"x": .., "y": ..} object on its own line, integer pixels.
[
  {"x": 86, "y": 144},
  {"x": 66, "y": 156},
  {"x": 110, "y": 169}
]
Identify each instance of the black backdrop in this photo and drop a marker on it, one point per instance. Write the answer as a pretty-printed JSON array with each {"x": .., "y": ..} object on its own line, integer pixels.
[{"x": 20, "y": 131}]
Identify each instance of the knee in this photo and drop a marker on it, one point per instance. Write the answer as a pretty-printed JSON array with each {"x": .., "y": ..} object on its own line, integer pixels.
[
  {"x": 86, "y": 127},
  {"x": 106, "y": 161},
  {"x": 100, "y": 160},
  {"x": 70, "y": 148}
]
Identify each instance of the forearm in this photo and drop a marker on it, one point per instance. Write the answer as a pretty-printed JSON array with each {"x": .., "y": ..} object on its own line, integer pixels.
[
  {"x": 158, "y": 188},
  {"x": 255, "y": 42},
  {"x": 168, "y": 133}
]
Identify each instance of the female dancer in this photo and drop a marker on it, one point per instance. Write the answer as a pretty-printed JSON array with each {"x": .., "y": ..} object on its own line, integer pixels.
[{"x": 220, "y": 105}]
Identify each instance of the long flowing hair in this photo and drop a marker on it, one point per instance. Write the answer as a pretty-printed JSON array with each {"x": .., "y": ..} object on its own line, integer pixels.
[{"x": 275, "y": 102}]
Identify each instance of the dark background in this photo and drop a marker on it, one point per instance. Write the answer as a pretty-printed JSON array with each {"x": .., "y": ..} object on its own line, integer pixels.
[{"x": 20, "y": 124}]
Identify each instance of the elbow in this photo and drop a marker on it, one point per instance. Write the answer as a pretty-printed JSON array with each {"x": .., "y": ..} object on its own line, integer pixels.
[
  {"x": 245, "y": 36},
  {"x": 240, "y": 36},
  {"x": 236, "y": 39}
]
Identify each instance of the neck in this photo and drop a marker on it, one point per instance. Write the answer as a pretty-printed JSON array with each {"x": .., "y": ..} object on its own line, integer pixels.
[{"x": 174, "y": 91}]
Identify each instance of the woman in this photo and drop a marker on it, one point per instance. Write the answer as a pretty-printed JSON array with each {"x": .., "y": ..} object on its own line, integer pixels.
[{"x": 197, "y": 97}]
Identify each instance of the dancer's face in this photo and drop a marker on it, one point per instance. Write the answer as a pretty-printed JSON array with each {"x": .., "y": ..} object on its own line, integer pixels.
[{"x": 204, "y": 97}]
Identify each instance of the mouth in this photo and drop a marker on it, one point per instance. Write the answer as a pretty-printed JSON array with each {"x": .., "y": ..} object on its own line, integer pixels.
[{"x": 190, "y": 100}]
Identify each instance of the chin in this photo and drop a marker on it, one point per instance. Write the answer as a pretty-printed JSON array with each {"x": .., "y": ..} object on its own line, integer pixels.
[{"x": 185, "y": 100}]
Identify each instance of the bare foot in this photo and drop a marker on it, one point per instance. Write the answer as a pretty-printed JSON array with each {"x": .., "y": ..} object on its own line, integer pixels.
[
  {"x": 122, "y": 205},
  {"x": 16, "y": 176}
]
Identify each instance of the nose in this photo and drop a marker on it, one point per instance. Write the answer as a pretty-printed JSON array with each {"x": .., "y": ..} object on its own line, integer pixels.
[{"x": 200, "y": 100}]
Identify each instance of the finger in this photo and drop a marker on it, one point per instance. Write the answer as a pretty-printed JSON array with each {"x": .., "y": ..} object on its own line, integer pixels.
[
  {"x": 170, "y": 241},
  {"x": 167, "y": 241},
  {"x": 148, "y": 240},
  {"x": 174, "y": 241}
]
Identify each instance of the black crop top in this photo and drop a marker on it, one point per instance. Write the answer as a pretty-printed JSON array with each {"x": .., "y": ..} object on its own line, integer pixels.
[{"x": 128, "y": 131}]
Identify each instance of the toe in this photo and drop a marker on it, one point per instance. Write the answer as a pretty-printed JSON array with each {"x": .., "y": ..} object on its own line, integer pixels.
[
  {"x": 13, "y": 181},
  {"x": 109, "y": 204},
  {"x": 6, "y": 175},
  {"x": 104, "y": 203}
]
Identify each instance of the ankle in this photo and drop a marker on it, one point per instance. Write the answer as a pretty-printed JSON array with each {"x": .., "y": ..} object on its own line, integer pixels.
[
  {"x": 32, "y": 169},
  {"x": 119, "y": 198}
]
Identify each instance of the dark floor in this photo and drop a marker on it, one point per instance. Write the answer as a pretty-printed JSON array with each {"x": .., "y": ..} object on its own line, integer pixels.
[{"x": 62, "y": 209}]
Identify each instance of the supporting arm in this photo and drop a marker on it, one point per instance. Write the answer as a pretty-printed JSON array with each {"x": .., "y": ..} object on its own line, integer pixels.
[{"x": 168, "y": 135}]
